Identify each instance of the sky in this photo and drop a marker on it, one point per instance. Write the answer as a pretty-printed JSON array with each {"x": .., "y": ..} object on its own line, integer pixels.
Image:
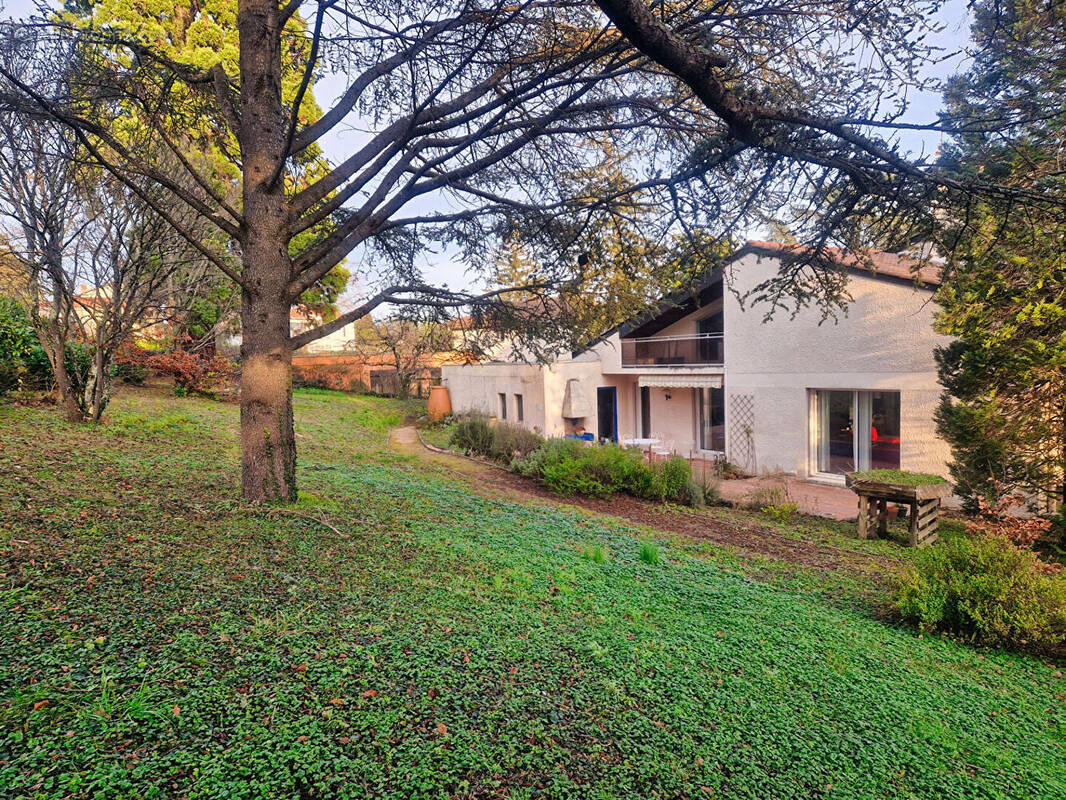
[{"x": 446, "y": 268}]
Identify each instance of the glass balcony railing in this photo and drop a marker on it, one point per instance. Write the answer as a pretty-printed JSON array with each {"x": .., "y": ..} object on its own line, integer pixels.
[{"x": 674, "y": 351}]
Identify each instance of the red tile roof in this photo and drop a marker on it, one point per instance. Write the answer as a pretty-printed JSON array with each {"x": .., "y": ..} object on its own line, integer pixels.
[{"x": 878, "y": 262}]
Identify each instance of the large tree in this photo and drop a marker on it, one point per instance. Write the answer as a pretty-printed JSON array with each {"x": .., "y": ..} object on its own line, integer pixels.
[
  {"x": 1004, "y": 293},
  {"x": 470, "y": 113}
]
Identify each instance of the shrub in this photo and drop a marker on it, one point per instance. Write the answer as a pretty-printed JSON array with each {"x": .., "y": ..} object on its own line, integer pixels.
[
  {"x": 193, "y": 372},
  {"x": 512, "y": 442},
  {"x": 782, "y": 511},
  {"x": 473, "y": 435},
  {"x": 985, "y": 589},
  {"x": 553, "y": 450},
  {"x": 569, "y": 477},
  {"x": 132, "y": 363},
  {"x": 692, "y": 495},
  {"x": 570, "y": 467},
  {"x": 668, "y": 478},
  {"x": 23, "y": 362}
]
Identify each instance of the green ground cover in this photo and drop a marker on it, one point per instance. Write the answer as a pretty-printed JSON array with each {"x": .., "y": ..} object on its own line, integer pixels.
[
  {"x": 899, "y": 477},
  {"x": 395, "y": 635}
]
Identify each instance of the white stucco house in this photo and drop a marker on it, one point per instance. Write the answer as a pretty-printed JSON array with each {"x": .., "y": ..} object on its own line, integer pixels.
[{"x": 706, "y": 377}]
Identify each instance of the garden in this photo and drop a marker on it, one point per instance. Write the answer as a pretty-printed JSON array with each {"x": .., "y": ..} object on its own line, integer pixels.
[{"x": 398, "y": 633}]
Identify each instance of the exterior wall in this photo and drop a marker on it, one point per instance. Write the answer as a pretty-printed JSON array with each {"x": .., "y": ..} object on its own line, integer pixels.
[
  {"x": 589, "y": 372},
  {"x": 477, "y": 387},
  {"x": 885, "y": 342}
]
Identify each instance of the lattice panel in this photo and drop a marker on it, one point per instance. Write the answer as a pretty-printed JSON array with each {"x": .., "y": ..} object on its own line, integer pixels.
[{"x": 742, "y": 431}]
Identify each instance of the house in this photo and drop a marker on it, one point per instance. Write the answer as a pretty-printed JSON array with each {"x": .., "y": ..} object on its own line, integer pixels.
[{"x": 708, "y": 377}]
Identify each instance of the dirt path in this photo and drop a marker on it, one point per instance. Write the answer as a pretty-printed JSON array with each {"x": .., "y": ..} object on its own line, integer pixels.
[{"x": 492, "y": 481}]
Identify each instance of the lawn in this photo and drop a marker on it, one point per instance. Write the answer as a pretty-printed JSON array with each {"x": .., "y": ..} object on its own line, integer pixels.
[{"x": 397, "y": 635}]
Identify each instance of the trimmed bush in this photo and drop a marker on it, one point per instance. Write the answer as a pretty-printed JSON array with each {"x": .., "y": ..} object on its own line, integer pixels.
[
  {"x": 473, "y": 436},
  {"x": 986, "y": 589},
  {"x": 512, "y": 442}
]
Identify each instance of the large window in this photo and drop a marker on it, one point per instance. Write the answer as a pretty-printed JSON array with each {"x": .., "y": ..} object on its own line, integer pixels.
[
  {"x": 854, "y": 430},
  {"x": 711, "y": 329},
  {"x": 711, "y": 418}
]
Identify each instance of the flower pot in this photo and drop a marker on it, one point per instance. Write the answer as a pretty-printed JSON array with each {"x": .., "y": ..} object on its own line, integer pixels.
[{"x": 439, "y": 404}]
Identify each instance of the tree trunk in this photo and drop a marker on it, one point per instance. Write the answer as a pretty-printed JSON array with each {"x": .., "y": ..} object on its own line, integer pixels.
[
  {"x": 55, "y": 347},
  {"x": 268, "y": 443},
  {"x": 64, "y": 389}
]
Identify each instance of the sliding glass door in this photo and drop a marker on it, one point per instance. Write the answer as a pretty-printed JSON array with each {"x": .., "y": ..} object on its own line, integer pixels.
[
  {"x": 852, "y": 430},
  {"x": 711, "y": 403}
]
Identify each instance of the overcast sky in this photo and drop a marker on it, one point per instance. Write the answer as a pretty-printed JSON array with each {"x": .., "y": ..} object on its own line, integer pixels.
[{"x": 445, "y": 268}]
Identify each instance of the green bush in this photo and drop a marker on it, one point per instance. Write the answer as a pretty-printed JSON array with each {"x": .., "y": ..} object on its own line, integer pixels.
[
  {"x": 985, "y": 589},
  {"x": 569, "y": 477},
  {"x": 473, "y": 435},
  {"x": 692, "y": 495},
  {"x": 512, "y": 442},
  {"x": 23, "y": 362},
  {"x": 570, "y": 467},
  {"x": 668, "y": 479},
  {"x": 783, "y": 511},
  {"x": 533, "y": 465}
]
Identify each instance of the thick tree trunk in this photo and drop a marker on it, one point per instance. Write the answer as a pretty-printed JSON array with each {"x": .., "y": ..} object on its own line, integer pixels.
[
  {"x": 268, "y": 443},
  {"x": 64, "y": 388},
  {"x": 55, "y": 347}
]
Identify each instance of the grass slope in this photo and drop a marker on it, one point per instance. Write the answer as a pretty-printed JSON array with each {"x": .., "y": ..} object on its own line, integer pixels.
[{"x": 157, "y": 639}]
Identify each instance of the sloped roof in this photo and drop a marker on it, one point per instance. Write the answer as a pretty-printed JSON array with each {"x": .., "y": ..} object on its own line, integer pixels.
[{"x": 877, "y": 262}]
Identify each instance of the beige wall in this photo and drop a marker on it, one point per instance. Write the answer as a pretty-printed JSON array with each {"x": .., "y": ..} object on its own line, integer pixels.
[
  {"x": 884, "y": 342},
  {"x": 477, "y": 388}
]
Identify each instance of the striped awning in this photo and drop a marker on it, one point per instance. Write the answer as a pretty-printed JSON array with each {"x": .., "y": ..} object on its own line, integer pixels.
[{"x": 681, "y": 381}]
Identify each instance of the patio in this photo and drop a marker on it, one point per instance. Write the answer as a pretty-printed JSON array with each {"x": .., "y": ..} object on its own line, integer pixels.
[{"x": 818, "y": 499}]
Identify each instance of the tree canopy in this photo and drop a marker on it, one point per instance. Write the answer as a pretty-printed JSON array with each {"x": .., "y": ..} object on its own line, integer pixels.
[{"x": 1004, "y": 296}]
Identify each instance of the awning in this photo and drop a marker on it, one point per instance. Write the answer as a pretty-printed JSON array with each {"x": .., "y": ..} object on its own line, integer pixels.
[{"x": 681, "y": 381}]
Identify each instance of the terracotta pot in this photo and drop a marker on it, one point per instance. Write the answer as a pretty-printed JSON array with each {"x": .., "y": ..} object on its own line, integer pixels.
[{"x": 439, "y": 404}]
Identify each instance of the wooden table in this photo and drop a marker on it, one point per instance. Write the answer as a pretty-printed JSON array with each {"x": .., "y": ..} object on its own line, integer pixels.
[{"x": 923, "y": 500}]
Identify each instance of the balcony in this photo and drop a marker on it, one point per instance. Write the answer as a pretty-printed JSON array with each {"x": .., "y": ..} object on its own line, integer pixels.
[{"x": 696, "y": 350}]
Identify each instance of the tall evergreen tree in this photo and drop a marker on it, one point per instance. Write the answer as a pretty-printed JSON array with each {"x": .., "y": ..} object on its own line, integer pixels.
[{"x": 1004, "y": 294}]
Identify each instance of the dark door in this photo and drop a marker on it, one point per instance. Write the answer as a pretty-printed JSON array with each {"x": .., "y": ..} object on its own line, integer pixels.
[{"x": 607, "y": 413}]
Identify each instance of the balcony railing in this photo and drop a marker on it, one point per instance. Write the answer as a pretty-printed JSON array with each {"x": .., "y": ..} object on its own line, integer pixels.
[{"x": 673, "y": 351}]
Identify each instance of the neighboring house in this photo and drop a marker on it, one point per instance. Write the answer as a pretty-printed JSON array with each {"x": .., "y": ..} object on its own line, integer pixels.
[{"x": 705, "y": 377}]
